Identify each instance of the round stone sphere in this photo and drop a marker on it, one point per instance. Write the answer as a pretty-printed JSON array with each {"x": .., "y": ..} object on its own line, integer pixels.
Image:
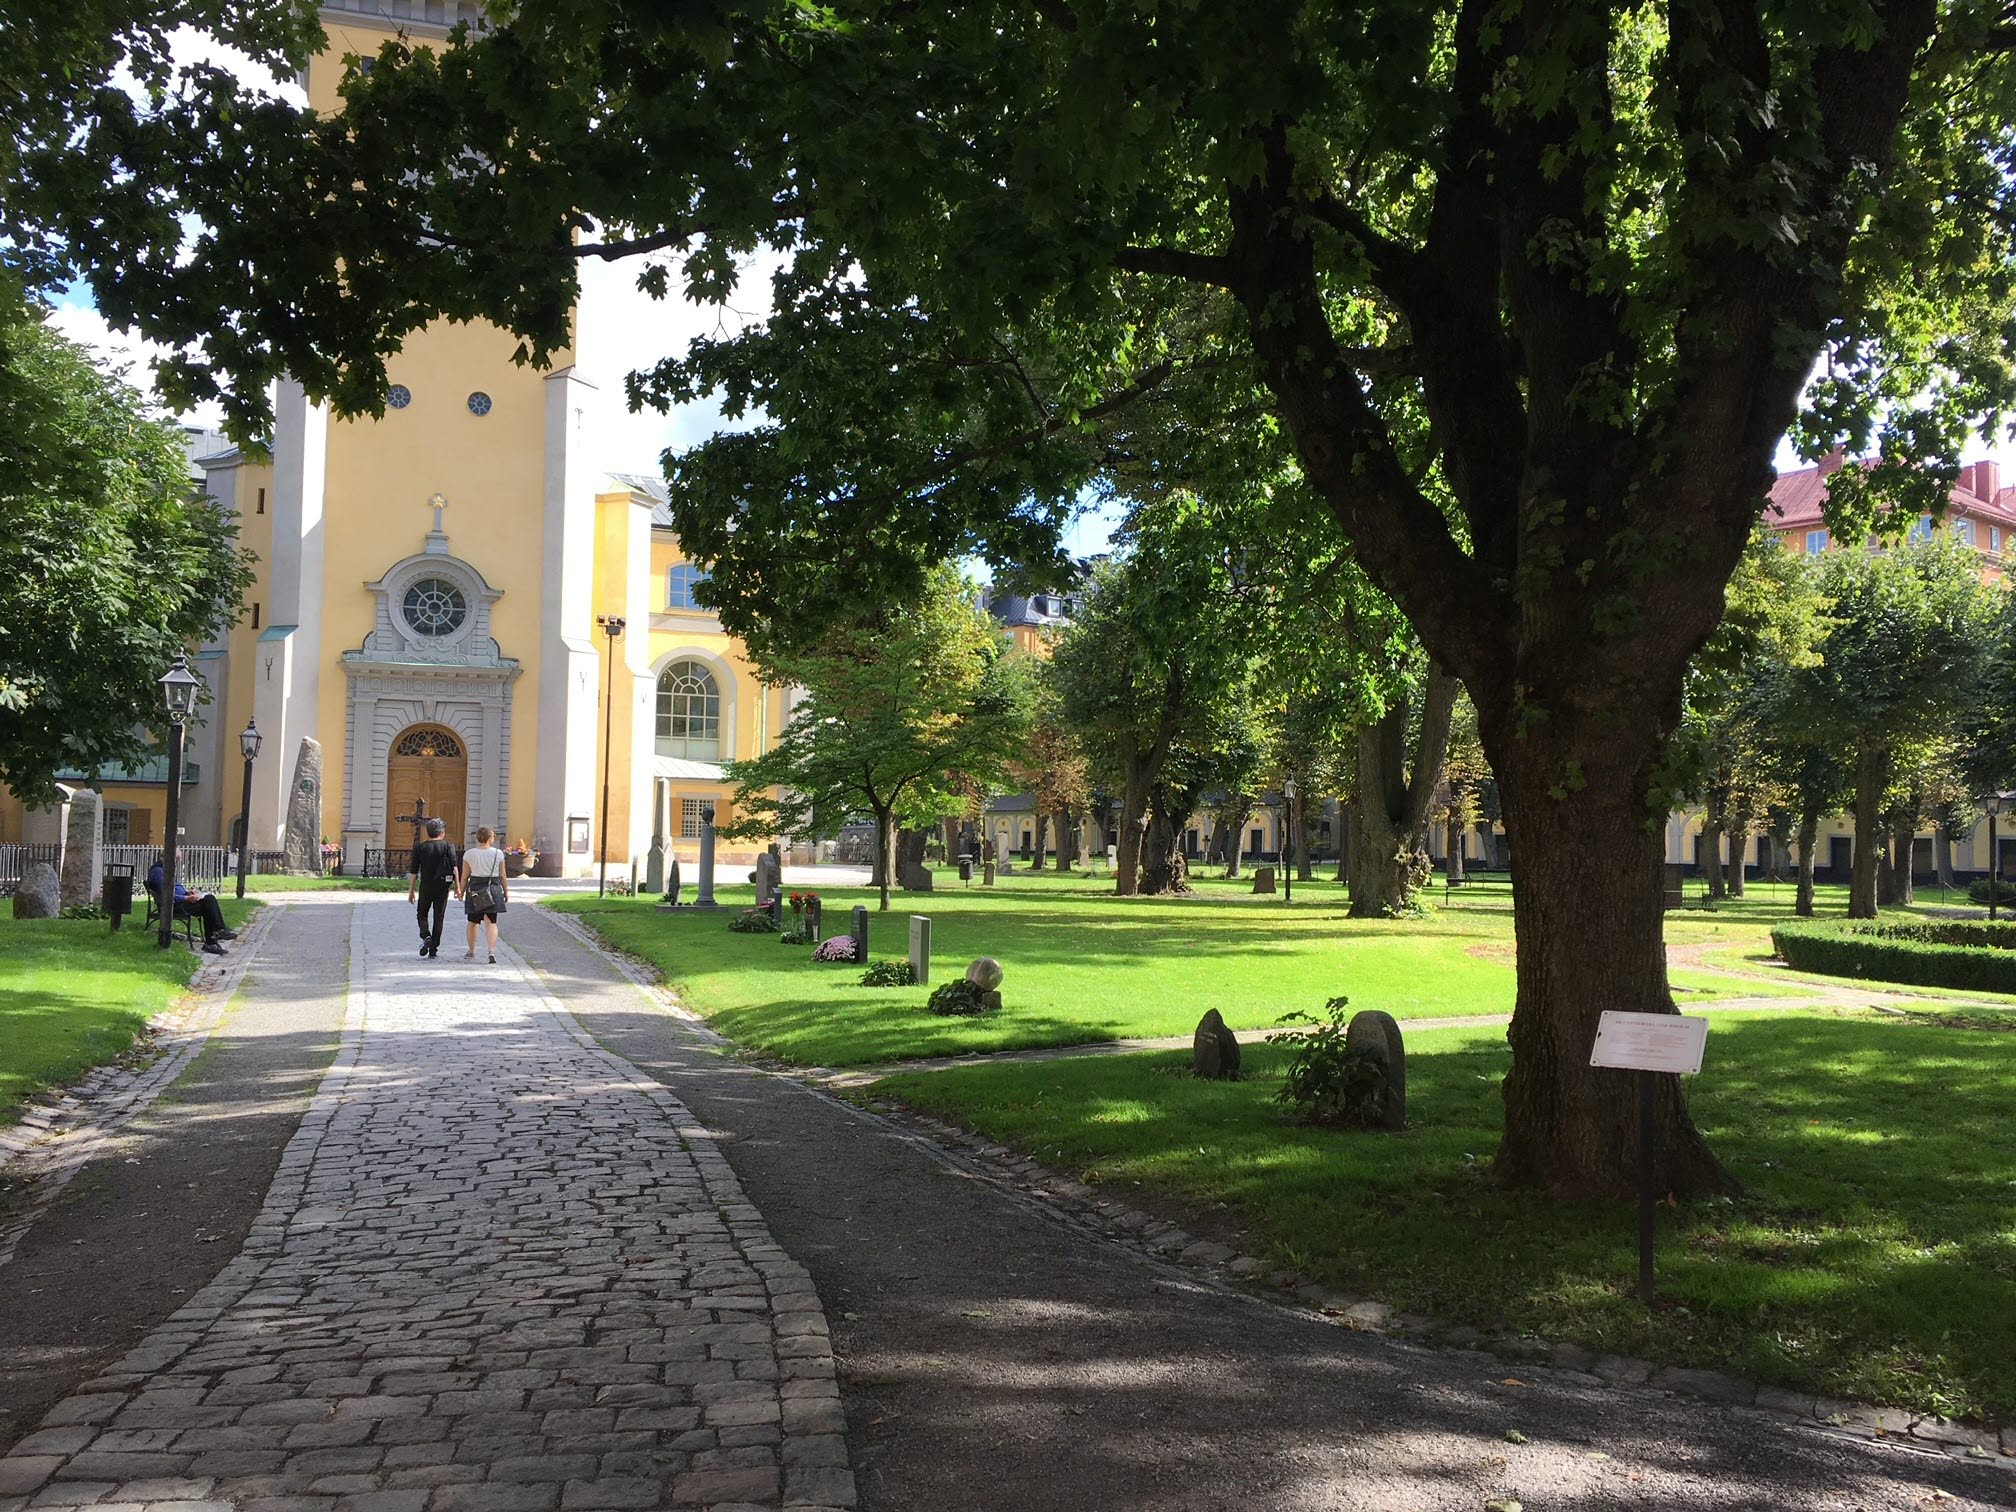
[{"x": 985, "y": 973}]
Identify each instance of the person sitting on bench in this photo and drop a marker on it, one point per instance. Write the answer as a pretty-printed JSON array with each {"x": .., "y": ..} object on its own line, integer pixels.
[{"x": 188, "y": 905}]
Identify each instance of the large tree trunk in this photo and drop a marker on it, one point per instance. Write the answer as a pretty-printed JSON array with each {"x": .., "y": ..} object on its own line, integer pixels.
[
  {"x": 1042, "y": 840},
  {"x": 1739, "y": 849},
  {"x": 1067, "y": 841},
  {"x": 1305, "y": 870},
  {"x": 1588, "y": 916},
  {"x": 1390, "y": 840},
  {"x": 1901, "y": 840},
  {"x": 1458, "y": 838},
  {"x": 1713, "y": 820},
  {"x": 1942, "y": 852},
  {"x": 1164, "y": 868},
  {"x": 885, "y": 853},
  {"x": 1809, "y": 837},
  {"x": 1869, "y": 778}
]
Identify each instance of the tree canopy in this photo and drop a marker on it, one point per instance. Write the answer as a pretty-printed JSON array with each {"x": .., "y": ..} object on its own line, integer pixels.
[
  {"x": 1528, "y": 293},
  {"x": 893, "y": 712},
  {"x": 109, "y": 563}
]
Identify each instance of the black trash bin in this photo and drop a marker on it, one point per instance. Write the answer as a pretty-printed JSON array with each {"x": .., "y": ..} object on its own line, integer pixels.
[{"x": 118, "y": 893}]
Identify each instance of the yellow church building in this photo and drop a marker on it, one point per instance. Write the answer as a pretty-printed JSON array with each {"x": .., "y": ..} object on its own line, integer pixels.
[{"x": 429, "y": 607}]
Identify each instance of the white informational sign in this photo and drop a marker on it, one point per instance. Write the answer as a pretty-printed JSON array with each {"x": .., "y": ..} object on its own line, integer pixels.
[{"x": 1650, "y": 1042}]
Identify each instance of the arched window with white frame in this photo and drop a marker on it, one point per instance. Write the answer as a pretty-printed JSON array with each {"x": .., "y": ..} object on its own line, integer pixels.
[{"x": 689, "y": 712}]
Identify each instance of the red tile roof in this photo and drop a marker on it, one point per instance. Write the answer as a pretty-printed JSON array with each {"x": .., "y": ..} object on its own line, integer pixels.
[{"x": 1796, "y": 499}]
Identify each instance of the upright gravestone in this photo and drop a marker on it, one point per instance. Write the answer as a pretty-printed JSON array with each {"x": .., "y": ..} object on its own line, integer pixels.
[
  {"x": 1263, "y": 879},
  {"x": 859, "y": 930},
  {"x": 671, "y": 881},
  {"x": 1214, "y": 1049},
  {"x": 706, "y": 897},
  {"x": 1375, "y": 1034},
  {"x": 815, "y": 918},
  {"x": 765, "y": 878},
  {"x": 83, "y": 849},
  {"x": 920, "y": 948},
  {"x": 987, "y": 874},
  {"x": 38, "y": 895},
  {"x": 654, "y": 862},
  {"x": 303, "y": 844}
]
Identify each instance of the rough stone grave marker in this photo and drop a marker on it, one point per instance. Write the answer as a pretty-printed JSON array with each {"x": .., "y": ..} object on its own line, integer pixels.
[
  {"x": 38, "y": 895},
  {"x": 1263, "y": 880},
  {"x": 859, "y": 930},
  {"x": 83, "y": 850},
  {"x": 1214, "y": 1049},
  {"x": 1377, "y": 1035},
  {"x": 303, "y": 845},
  {"x": 920, "y": 948}
]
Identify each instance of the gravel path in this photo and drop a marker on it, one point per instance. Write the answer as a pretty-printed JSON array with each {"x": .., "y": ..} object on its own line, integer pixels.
[{"x": 994, "y": 1357}]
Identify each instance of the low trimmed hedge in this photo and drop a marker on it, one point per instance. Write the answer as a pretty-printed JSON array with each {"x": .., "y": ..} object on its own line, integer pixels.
[{"x": 1978, "y": 957}]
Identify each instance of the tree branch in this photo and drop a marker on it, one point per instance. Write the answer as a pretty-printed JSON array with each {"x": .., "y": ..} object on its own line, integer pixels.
[{"x": 1173, "y": 262}]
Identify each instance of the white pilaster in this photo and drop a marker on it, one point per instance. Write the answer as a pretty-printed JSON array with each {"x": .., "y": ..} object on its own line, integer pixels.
[
  {"x": 287, "y": 668},
  {"x": 639, "y": 587},
  {"x": 564, "y": 783}
]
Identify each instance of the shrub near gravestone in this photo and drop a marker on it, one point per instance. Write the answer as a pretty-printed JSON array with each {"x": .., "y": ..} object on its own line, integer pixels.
[
  {"x": 1332, "y": 1080},
  {"x": 753, "y": 921},
  {"x": 961, "y": 999},
  {"x": 889, "y": 974}
]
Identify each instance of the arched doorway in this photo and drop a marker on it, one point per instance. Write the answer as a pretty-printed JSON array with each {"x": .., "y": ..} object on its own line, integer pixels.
[{"x": 426, "y": 762}]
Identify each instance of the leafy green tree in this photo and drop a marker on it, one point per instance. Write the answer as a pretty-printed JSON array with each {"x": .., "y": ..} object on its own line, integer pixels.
[
  {"x": 1717, "y": 756},
  {"x": 1597, "y": 252},
  {"x": 1148, "y": 664},
  {"x": 109, "y": 563},
  {"x": 897, "y": 715},
  {"x": 1896, "y": 669}
]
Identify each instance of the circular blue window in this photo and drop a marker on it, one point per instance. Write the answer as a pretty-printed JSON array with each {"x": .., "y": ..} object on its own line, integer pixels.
[
  {"x": 398, "y": 396},
  {"x": 479, "y": 403}
]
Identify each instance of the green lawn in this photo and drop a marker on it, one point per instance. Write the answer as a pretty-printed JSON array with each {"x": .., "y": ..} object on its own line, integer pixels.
[
  {"x": 277, "y": 883},
  {"x": 74, "y": 994},
  {"x": 1083, "y": 965},
  {"x": 1875, "y": 1255}
]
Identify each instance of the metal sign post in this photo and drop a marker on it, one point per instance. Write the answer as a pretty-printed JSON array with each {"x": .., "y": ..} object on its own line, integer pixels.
[{"x": 1651, "y": 1045}]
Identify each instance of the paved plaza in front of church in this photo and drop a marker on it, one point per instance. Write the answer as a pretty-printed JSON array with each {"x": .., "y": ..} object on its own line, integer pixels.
[{"x": 526, "y": 1241}]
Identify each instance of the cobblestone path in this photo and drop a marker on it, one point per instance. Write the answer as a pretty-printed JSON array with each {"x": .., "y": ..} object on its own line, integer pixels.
[{"x": 499, "y": 1270}]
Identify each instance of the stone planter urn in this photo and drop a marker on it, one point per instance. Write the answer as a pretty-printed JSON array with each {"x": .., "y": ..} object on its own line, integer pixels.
[{"x": 518, "y": 863}]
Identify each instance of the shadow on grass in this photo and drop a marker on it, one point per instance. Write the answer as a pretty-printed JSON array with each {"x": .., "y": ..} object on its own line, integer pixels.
[{"x": 1873, "y": 1255}]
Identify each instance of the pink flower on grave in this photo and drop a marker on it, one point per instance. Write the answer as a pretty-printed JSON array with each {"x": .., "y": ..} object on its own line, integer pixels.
[{"x": 839, "y": 948}]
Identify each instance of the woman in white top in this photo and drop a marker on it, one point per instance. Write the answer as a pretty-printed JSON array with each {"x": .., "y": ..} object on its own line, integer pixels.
[{"x": 485, "y": 891}]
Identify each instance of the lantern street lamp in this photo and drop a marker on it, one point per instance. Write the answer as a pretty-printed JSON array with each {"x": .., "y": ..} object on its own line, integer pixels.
[
  {"x": 1993, "y": 805},
  {"x": 248, "y": 742},
  {"x": 178, "y": 698},
  {"x": 1287, "y": 846},
  {"x": 612, "y": 626}
]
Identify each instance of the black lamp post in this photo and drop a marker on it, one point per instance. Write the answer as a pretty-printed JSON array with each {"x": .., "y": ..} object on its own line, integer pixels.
[
  {"x": 1287, "y": 841},
  {"x": 178, "y": 696},
  {"x": 612, "y": 626},
  {"x": 1994, "y": 805},
  {"x": 248, "y": 742}
]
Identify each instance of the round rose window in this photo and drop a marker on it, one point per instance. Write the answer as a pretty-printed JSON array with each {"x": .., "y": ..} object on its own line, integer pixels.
[{"x": 435, "y": 607}]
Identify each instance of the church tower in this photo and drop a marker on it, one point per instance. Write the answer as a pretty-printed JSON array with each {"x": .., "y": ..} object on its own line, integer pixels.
[{"x": 426, "y": 603}]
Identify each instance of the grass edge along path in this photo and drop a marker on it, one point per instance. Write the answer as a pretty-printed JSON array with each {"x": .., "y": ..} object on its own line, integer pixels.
[
  {"x": 75, "y": 994},
  {"x": 1873, "y": 1256}
]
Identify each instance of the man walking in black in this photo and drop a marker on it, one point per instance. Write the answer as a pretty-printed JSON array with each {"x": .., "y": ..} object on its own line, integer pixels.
[{"x": 430, "y": 878}]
